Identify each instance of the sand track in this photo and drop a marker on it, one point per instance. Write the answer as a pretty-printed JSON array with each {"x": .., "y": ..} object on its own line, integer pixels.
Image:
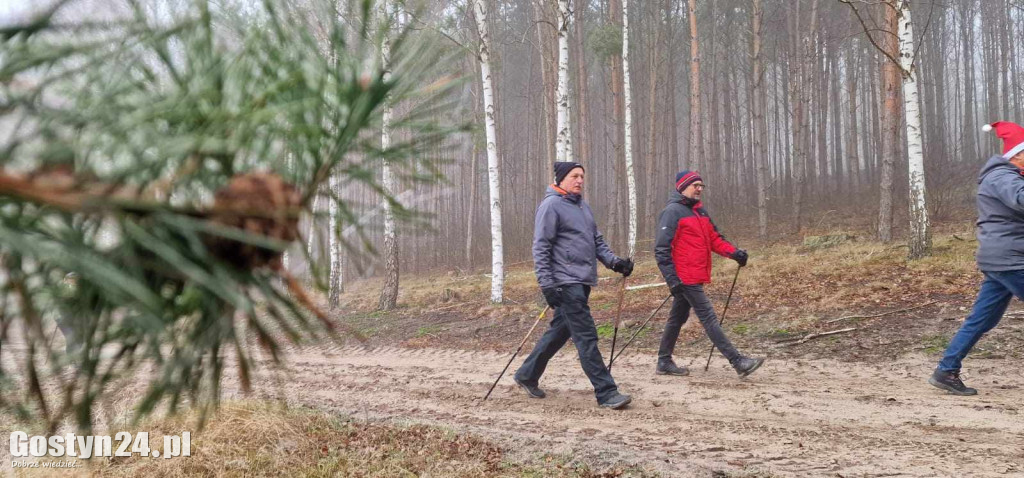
[{"x": 797, "y": 417}]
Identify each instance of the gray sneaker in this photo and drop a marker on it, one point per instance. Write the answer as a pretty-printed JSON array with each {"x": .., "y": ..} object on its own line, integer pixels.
[
  {"x": 670, "y": 368},
  {"x": 617, "y": 401},
  {"x": 532, "y": 391},
  {"x": 746, "y": 365}
]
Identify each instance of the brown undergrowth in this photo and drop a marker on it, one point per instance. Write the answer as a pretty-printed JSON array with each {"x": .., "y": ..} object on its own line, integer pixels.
[{"x": 787, "y": 291}]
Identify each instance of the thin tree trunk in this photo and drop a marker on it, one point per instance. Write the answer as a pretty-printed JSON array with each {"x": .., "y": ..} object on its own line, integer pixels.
[
  {"x": 628, "y": 132},
  {"x": 497, "y": 253},
  {"x": 389, "y": 293},
  {"x": 891, "y": 123},
  {"x": 757, "y": 108},
  {"x": 582, "y": 90},
  {"x": 695, "y": 119},
  {"x": 563, "y": 135},
  {"x": 920, "y": 236},
  {"x": 618, "y": 158},
  {"x": 336, "y": 283},
  {"x": 472, "y": 201},
  {"x": 550, "y": 126},
  {"x": 853, "y": 159},
  {"x": 653, "y": 120}
]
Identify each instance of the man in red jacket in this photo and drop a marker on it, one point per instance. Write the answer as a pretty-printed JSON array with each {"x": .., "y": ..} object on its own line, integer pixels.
[{"x": 684, "y": 241}]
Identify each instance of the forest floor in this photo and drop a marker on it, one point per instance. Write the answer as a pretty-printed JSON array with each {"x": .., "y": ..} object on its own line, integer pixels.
[{"x": 854, "y": 403}]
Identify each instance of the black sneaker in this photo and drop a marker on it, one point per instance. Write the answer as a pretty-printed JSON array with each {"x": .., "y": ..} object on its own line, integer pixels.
[
  {"x": 746, "y": 365},
  {"x": 532, "y": 391},
  {"x": 950, "y": 382},
  {"x": 670, "y": 368},
  {"x": 617, "y": 401}
]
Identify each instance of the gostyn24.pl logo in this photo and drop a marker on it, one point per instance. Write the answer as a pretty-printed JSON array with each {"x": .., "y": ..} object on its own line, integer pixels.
[{"x": 88, "y": 446}]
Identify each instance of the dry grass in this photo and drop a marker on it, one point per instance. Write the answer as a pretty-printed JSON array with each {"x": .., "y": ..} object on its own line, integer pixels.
[
  {"x": 858, "y": 273},
  {"x": 264, "y": 439}
]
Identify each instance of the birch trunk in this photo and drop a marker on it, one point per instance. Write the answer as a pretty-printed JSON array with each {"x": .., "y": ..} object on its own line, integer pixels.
[
  {"x": 311, "y": 239},
  {"x": 563, "y": 136},
  {"x": 389, "y": 294},
  {"x": 628, "y": 123},
  {"x": 497, "y": 254},
  {"x": 920, "y": 237},
  {"x": 336, "y": 282}
]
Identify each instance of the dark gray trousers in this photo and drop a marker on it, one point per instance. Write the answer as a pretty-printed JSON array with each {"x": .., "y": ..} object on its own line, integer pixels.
[
  {"x": 572, "y": 319},
  {"x": 694, "y": 296}
]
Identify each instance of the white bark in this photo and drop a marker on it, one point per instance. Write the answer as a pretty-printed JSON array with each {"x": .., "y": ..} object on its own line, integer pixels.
[
  {"x": 493, "y": 174},
  {"x": 628, "y": 122},
  {"x": 920, "y": 238},
  {"x": 563, "y": 139},
  {"x": 311, "y": 239},
  {"x": 389, "y": 294},
  {"x": 286, "y": 261},
  {"x": 336, "y": 281}
]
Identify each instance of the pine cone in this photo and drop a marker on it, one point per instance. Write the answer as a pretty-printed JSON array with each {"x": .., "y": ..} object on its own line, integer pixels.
[{"x": 260, "y": 204}]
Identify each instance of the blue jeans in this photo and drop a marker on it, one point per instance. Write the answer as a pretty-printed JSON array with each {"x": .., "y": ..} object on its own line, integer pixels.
[
  {"x": 572, "y": 319},
  {"x": 993, "y": 298}
]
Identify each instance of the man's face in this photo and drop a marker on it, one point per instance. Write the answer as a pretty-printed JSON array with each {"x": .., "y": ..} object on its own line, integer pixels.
[
  {"x": 573, "y": 182},
  {"x": 694, "y": 190},
  {"x": 1018, "y": 160}
]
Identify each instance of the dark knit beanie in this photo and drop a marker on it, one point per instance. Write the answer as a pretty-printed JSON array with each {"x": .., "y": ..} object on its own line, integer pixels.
[
  {"x": 562, "y": 169},
  {"x": 685, "y": 179}
]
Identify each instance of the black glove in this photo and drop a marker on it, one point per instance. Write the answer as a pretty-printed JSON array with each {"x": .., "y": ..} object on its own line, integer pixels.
[
  {"x": 553, "y": 296},
  {"x": 740, "y": 256},
  {"x": 623, "y": 266},
  {"x": 677, "y": 291}
]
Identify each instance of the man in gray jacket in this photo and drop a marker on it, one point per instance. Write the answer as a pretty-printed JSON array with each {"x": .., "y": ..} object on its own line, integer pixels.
[
  {"x": 1000, "y": 253},
  {"x": 566, "y": 248}
]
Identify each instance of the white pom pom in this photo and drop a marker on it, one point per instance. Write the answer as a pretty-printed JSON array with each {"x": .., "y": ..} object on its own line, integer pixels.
[{"x": 986, "y": 128}]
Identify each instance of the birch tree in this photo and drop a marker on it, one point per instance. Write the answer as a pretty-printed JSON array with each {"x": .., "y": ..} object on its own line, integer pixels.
[
  {"x": 493, "y": 173},
  {"x": 563, "y": 138},
  {"x": 389, "y": 293},
  {"x": 336, "y": 282},
  {"x": 920, "y": 236},
  {"x": 901, "y": 66},
  {"x": 628, "y": 124}
]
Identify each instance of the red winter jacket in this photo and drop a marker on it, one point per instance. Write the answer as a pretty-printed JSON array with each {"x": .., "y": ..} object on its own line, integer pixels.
[{"x": 684, "y": 242}]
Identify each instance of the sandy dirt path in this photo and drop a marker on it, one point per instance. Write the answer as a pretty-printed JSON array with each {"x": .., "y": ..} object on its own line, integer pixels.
[{"x": 791, "y": 418}]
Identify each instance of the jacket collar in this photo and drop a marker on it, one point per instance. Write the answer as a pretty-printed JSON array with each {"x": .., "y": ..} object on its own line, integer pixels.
[
  {"x": 575, "y": 198},
  {"x": 675, "y": 196}
]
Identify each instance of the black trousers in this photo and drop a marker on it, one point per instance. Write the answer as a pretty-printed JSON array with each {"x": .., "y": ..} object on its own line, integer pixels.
[{"x": 572, "y": 319}]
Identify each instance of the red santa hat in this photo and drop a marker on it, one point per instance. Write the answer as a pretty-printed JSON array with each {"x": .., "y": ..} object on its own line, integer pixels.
[{"x": 1012, "y": 135}]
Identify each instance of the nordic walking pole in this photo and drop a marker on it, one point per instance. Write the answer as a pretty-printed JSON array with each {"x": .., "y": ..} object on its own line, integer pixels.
[
  {"x": 726, "y": 311},
  {"x": 618, "y": 317},
  {"x": 541, "y": 316},
  {"x": 637, "y": 332}
]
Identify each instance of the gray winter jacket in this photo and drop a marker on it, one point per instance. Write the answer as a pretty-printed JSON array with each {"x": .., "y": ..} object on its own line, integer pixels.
[
  {"x": 1000, "y": 216},
  {"x": 566, "y": 244}
]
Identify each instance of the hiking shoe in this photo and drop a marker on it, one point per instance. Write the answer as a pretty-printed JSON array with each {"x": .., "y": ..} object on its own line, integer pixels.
[
  {"x": 950, "y": 382},
  {"x": 532, "y": 391},
  {"x": 670, "y": 368},
  {"x": 746, "y": 365},
  {"x": 617, "y": 401}
]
